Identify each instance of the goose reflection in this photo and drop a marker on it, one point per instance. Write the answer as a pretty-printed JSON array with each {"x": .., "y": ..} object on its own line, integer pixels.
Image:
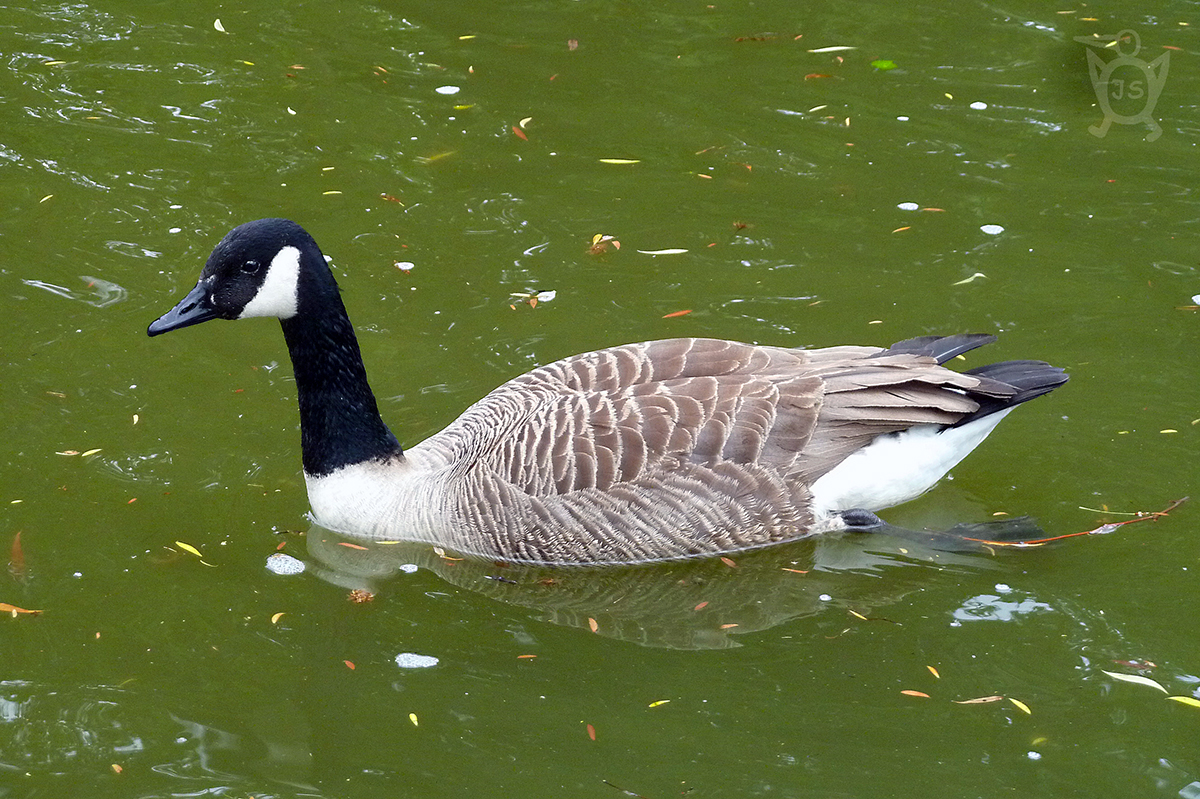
[{"x": 692, "y": 604}]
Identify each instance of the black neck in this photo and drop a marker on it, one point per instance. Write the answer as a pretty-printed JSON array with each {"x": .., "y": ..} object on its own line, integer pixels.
[{"x": 339, "y": 420}]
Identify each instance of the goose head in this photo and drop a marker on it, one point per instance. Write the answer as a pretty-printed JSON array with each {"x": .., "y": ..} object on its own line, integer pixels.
[{"x": 257, "y": 270}]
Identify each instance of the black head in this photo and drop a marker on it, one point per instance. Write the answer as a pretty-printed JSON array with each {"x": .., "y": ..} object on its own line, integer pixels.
[{"x": 254, "y": 271}]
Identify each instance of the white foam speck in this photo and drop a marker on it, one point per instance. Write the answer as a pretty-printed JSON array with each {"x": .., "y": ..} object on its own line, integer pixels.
[
  {"x": 447, "y": 90},
  {"x": 825, "y": 598},
  {"x": 902, "y": 119},
  {"x": 991, "y": 230},
  {"x": 978, "y": 106},
  {"x": 908, "y": 206},
  {"x": 411, "y": 660},
  {"x": 408, "y": 568}
]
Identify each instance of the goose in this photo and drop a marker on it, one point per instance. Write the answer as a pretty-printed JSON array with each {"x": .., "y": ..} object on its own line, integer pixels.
[{"x": 660, "y": 450}]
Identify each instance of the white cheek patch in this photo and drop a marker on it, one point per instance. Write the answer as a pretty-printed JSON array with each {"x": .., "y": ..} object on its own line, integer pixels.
[{"x": 277, "y": 295}]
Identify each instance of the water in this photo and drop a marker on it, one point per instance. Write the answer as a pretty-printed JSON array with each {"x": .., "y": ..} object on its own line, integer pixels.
[{"x": 153, "y": 671}]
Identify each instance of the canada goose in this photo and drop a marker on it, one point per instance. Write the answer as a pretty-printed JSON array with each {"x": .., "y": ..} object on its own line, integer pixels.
[{"x": 652, "y": 451}]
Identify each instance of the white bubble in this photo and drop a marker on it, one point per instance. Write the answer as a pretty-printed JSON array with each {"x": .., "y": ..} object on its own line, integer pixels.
[
  {"x": 447, "y": 90},
  {"x": 1003, "y": 588},
  {"x": 411, "y": 660},
  {"x": 408, "y": 568},
  {"x": 1034, "y": 755},
  {"x": 978, "y": 106},
  {"x": 991, "y": 230},
  {"x": 825, "y": 597},
  {"x": 281, "y": 563},
  {"x": 902, "y": 119},
  {"x": 1196, "y": 298},
  {"x": 908, "y": 206}
]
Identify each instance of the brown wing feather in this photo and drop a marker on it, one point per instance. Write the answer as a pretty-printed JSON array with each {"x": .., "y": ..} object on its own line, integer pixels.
[{"x": 679, "y": 447}]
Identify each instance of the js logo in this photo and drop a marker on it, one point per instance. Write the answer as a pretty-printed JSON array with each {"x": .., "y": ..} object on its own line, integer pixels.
[{"x": 1126, "y": 87}]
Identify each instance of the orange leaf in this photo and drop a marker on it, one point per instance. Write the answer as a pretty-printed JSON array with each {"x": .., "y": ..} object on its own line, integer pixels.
[
  {"x": 348, "y": 545},
  {"x": 815, "y": 75},
  {"x": 591, "y": 732},
  {"x": 701, "y": 606},
  {"x": 909, "y": 692},
  {"x": 525, "y": 657},
  {"x": 729, "y": 626},
  {"x": 906, "y": 227},
  {"x": 349, "y": 664},
  {"x": 14, "y": 610},
  {"x": 934, "y": 672},
  {"x": 592, "y": 624},
  {"x": 728, "y": 562},
  {"x": 797, "y": 571},
  {"x": 520, "y": 133},
  {"x": 677, "y": 313}
]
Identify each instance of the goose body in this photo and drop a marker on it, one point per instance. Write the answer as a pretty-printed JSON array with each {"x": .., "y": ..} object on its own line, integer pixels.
[{"x": 651, "y": 451}]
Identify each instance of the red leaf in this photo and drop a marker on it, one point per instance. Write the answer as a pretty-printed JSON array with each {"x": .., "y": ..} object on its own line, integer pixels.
[
  {"x": 520, "y": 133},
  {"x": 677, "y": 313},
  {"x": 349, "y": 664},
  {"x": 591, "y": 732}
]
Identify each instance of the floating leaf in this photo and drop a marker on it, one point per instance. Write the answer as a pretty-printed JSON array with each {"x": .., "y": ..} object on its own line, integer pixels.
[
  {"x": 14, "y": 610},
  {"x": 816, "y": 75},
  {"x": 934, "y": 672},
  {"x": 673, "y": 314},
  {"x": 348, "y": 545},
  {"x": 188, "y": 548},
  {"x": 910, "y": 692},
  {"x": 217, "y": 24},
  {"x": 883, "y": 64},
  {"x": 1135, "y": 678},
  {"x": 1021, "y": 706},
  {"x": 620, "y": 160},
  {"x": 520, "y": 133},
  {"x": 730, "y": 562},
  {"x": 413, "y": 718},
  {"x": 837, "y": 48},
  {"x": 592, "y": 625},
  {"x": 1186, "y": 700},
  {"x": 668, "y": 251},
  {"x": 729, "y": 626},
  {"x": 979, "y": 700},
  {"x": 701, "y": 606},
  {"x": 658, "y": 702},
  {"x": 966, "y": 280},
  {"x": 90, "y": 452},
  {"x": 591, "y": 731},
  {"x": 349, "y": 664},
  {"x": 276, "y": 617}
]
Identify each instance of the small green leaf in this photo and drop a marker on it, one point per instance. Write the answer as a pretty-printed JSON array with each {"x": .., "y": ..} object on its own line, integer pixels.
[{"x": 883, "y": 64}]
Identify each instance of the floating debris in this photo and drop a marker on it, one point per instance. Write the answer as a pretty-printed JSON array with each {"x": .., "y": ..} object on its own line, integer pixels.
[{"x": 280, "y": 563}]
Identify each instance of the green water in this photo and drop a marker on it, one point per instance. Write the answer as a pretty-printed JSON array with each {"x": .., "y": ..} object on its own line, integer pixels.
[{"x": 133, "y": 135}]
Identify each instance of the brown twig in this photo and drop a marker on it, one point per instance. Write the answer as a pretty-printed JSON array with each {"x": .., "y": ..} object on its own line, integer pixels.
[{"x": 1101, "y": 530}]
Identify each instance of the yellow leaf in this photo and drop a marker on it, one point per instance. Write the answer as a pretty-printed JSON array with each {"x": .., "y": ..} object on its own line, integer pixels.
[
  {"x": 620, "y": 161},
  {"x": 47, "y": 197},
  {"x": 665, "y": 701},
  {"x": 413, "y": 718},
  {"x": 331, "y": 192},
  {"x": 934, "y": 672},
  {"x": 188, "y": 548},
  {"x": 910, "y": 692},
  {"x": 91, "y": 452},
  {"x": 1021, "y": 706},
  {"x": 276, "y": 617},
  {"x": 1186, "y": 700},
  {"x": 857, "y": 615}
]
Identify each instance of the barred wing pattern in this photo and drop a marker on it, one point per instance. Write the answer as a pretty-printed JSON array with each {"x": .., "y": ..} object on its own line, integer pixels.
[{"x": 677, "y": 448}]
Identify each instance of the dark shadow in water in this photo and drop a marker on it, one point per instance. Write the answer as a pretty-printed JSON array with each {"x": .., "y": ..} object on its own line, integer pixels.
[{"x": 693, "y": 604}]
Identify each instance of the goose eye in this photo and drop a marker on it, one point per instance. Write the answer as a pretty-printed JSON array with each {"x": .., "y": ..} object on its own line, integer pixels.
[{"x": 251, "y": 267}]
